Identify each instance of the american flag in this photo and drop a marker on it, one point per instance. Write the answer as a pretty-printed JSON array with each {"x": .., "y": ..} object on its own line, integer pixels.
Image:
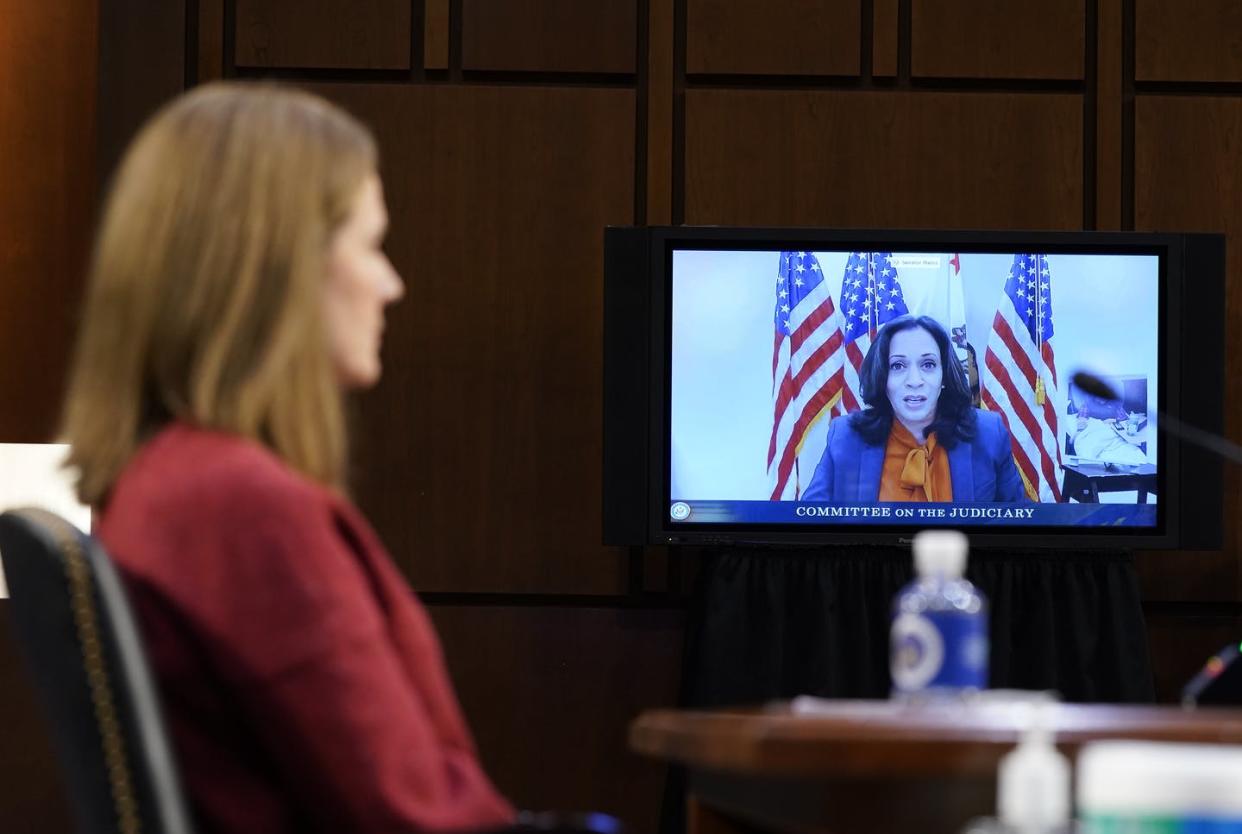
[
  {"x": 871, "y": 296},
  {"x": 806, "y": 365},
  {"x": 819, "y": 348},
  {"x": 1019, "y": 377}
]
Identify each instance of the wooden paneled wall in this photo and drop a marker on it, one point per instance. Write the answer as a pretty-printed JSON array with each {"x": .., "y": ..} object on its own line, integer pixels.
[
  {"x": 47, "y": 204},
  {"x": 512, "y": 131},
  {"x": 47, "y": 187}
]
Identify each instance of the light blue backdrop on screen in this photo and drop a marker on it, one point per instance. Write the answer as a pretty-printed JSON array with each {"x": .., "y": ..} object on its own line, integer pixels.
[{"x": 1105, "y": 313}]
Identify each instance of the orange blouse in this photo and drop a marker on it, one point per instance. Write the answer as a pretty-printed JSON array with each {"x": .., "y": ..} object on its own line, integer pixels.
[{"x": 913, "y": 472}]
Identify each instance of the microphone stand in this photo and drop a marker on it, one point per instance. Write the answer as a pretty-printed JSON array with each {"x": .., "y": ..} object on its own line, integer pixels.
[
  {"x": 1220, "y": 680},
  {"x": 1093, "y": 385}
]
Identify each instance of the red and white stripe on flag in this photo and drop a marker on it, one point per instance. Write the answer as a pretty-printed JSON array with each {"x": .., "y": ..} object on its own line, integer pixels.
[
  {"x": 1015, "y": 370},
  {"x": 809, "y": 378}
]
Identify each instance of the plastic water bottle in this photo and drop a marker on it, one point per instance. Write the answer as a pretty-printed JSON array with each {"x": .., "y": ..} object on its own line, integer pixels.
[{"x": 939, "y": 638}]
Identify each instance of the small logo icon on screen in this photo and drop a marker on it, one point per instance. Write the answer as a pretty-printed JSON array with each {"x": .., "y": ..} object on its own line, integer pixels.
[{"x": 680, "y": 511}]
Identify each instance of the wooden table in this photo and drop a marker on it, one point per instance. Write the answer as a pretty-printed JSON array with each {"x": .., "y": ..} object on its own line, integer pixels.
[{"x": 872, "y": 767}]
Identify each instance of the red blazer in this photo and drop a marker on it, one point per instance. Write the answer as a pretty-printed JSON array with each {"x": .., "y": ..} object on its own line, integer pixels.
[{"x": 302, "y": 681}]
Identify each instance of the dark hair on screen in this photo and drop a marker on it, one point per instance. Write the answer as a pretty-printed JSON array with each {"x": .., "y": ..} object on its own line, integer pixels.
[{"x": 955, "y": 412}]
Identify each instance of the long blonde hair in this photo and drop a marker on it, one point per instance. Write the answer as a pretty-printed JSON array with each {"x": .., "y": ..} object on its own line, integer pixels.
[{"x": 205, "y": 295}]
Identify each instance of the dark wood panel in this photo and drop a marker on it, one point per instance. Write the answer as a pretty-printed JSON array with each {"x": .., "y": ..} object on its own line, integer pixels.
[
  {"x": 928, "y": 160},
  {"x": 549, "y": 35},
  {"x": 1191, "y": 576},
  {"x": 999, "y": 39},
  {"x": 550, "y": 692},
  {"x": 884, "y": 38},
  {"x": 141, "y": 66},
  {"x": 480, "y": 452},
  {"x": 660, "y": 98},
  {"x": 1186, "y": 177},
  {"x": 1179, "y": 41},
  {"x": 47, "y": 186},
  {"x": 1109, "y": 115},
  {"x": 32, "y": 792},
  {"x": 790, "y": 37},
  {"x": 1181, "y": 643},
  {"x": 327, "y": 34},
  {"x": 436, "y": 34},
  {"x": 210, "y": 40}
]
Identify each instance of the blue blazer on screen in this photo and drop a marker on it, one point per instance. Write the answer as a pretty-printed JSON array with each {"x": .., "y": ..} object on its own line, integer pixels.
[{"x": 981, "y": 469}]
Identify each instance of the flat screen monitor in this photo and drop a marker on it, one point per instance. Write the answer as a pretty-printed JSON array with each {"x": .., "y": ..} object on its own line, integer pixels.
[{"x": 818, "y": 386}]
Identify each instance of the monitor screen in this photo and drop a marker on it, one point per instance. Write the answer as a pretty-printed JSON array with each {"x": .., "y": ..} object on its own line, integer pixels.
[{"x": 909, "y": 388}]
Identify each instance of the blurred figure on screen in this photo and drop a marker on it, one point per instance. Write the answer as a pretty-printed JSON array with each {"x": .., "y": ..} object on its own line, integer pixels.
[
  {"x": 237, "y": 292},
  {"x": 1102, "y": 431},
  {"x": 920, "y": 438},
  {"x": 1104, "y": 441},
  {"x": 966, "y": 356}
]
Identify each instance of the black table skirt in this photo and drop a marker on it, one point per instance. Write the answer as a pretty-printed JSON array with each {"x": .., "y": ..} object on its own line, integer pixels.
[{"x": 774, "y": 623}]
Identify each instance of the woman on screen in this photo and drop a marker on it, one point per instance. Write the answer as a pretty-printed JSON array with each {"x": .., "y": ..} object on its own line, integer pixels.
[
  {"x": 920, "y": 438},
  {"x": 237, "y": 292}
]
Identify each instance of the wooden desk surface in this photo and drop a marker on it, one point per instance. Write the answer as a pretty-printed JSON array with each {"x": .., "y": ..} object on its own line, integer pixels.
[
  {"x": 833, "y": 737},
  {"x": 877, "y": 766}
]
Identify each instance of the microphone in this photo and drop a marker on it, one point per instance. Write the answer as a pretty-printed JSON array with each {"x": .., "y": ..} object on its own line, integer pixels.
[{"x": 1091, "y": 384}]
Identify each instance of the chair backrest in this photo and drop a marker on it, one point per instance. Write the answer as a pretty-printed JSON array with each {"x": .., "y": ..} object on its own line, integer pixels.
[{"x": 73, "y": 625}]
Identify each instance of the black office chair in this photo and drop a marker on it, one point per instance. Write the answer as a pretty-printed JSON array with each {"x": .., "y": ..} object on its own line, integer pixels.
[
  {"x": 77, "y": 635},
  {"x": 74, "y": 628}
]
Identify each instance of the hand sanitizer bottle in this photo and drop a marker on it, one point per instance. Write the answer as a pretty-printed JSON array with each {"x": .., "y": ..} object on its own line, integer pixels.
[
  {"x": 1033, "y": 784},
  {"x": 1033, "y": 780}
]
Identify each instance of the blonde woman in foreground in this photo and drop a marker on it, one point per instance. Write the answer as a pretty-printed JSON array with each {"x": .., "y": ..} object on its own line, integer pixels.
[{"x": 237, "y": 292}]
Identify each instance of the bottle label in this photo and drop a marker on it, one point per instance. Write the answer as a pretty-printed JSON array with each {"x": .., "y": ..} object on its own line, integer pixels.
[{"x": 939, "y": 649}]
